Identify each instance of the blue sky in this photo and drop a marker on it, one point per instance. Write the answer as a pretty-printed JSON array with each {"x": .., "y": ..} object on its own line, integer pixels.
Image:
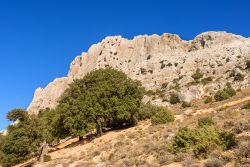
[{"x": 39, "y": 38}]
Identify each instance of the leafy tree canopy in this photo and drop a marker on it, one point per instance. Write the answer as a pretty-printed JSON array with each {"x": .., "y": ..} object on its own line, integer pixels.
[
  {"x": 103, "y": 98},
  {"x": 23, "y": 138}
]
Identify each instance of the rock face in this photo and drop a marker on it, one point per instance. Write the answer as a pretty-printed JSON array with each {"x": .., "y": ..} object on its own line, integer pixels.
[{"x": 161, "y": 62}]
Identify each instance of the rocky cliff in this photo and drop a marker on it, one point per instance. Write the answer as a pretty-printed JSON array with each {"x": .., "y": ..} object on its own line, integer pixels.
[{"x": 161, "y": 62}]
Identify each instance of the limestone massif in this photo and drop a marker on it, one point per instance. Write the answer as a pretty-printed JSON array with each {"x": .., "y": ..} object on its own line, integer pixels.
[{"x": 163, "y": 62}]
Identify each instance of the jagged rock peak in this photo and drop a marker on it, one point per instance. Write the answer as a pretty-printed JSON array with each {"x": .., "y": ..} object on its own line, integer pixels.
[{"x": 156, "y": 60}]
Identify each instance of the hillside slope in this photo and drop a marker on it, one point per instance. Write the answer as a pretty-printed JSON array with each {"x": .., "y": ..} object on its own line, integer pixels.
[
  {"x": 165, "y": 62},
  {"x": 147, "y": 145}
]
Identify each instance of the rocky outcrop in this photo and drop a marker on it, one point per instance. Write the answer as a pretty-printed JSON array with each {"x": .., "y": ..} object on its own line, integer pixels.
[{"x": 160, "y": 60}]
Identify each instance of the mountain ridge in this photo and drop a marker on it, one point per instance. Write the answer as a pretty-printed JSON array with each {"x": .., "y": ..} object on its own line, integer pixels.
[{"x": 156, "y": 60}]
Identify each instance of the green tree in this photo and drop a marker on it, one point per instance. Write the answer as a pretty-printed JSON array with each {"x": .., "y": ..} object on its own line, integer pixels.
[
  {"x": 103, "y": 98},
  {"x": 17, "y": 114},
  {"x": 23, "y": 138},
  {"x": 52, "y": 124},
  {"x": 1, "y": 144}
]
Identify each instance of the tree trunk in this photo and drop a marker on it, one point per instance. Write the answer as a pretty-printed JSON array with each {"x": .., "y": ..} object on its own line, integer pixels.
[
  {"x": 99, "y": 130},
  {"x": 43, "y": 151},
  {"x": 80, "y": 138}
]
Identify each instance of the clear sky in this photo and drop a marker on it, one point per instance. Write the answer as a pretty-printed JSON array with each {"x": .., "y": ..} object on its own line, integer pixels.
[{"x": 39, "y": 38}]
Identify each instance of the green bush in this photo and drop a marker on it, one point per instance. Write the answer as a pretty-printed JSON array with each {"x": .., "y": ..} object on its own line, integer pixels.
[
  {"x": 243, "y": 155},
  {"x": 202, "y": 140},
  {"x": 174, "y": 99},
  {"x": 163, "y": 116},
  {"x": 46, "y": 158},
  {"x": 209, "y": 99},
  {"x": 185, "y": 104},
  {"x": 239, "y": 77},
  {"x": 221, "y": 95},
  {"x": 149, "y": 93},
  {"x": 246, "y": 106},
  {"x": 224, "y": 94},
  {"x": 146, "y": 111},
  {"x": 206, "y": 80},
  {"x": 197, "y": 75},
  {"x": 205, "y": 121},
  {"x": 184, "y": 139},
  {"x": 204, "y": 148},
  {"x": 230, "y": 91},
  {"x": 227, "y": 140}
]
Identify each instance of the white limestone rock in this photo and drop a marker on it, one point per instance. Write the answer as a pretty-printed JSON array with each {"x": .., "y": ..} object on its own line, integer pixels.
[{"x": 155, "y": 60}]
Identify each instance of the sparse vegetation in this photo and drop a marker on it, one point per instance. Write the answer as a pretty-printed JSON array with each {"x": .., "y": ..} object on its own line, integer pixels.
[
  {"x": 239, "y": 77},
  {"x": 186, "y": 104},
  {"x": 197, "y": 75},
  {"x": 224, "y": 93},
  {"x": 247, "y": 106},
  {"x": 213, "y": 162},
  {"x": 205, "y": 121},
  {"x": 205, "y": 81},
  {"x": 208, "y": 99},
  {"x": 243, "y": 155},
  {"x": 174, "y": 99},
  {"x": 248, "y": 64},
  {"x": 162, "y": 116},
  {"x": 46, "y": 158},
  {"x": 146, "y": 111},
  {"x": 164, "y": 85},
  {"x": 202, "y": 139}
]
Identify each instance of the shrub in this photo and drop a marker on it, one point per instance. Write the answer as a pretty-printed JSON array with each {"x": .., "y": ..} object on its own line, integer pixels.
[
  {"x": 248, "y": 65},
  {"x": 204, "y": 148},
  {"x": 163, "y": 116},
  {"x": 239, "y": 77},
  {"x": 150, "y": 93},
  {"x": 197, "y": 75},
  {"x": 185, "y": 104},
  {"x": 221, "y": 95},
  {"x": 184, "y": 139},
  {"x": 174, "y": 99},
  {"x": 46, "y": 158},
  {"x": 246, "y": 106},
  {"x": 213, "y": 162},
  {"x": 206, "y": 121},
  {"x": 224, "y": 94},
  {"x": 164, "y": 85},
  {"x": 206, "y": 80},
  {"x": 160, "y": 93},
  {"x": 202, "y": 140},
  {"x": 227, "y": 140},
  {"x": 230, "y": 91},
  {"x": 243, "y": 155},
  {"x": 209, "y": 99},
  {"x": 146, "y": 111}
]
